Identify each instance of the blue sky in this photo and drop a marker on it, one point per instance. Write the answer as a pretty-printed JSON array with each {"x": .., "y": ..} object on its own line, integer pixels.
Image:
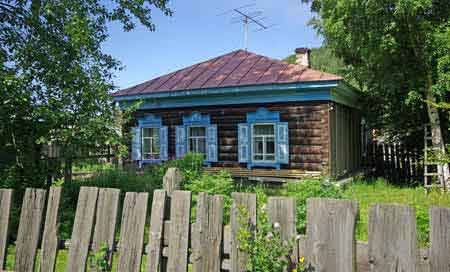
[{"x": 195, "y": 33}]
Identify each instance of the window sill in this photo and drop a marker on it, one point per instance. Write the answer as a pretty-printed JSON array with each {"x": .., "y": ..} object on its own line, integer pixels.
[{"x": 275, "y": 165}]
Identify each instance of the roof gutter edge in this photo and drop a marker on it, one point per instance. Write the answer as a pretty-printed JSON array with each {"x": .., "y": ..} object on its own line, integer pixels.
[{"x": 231, "y": 90}]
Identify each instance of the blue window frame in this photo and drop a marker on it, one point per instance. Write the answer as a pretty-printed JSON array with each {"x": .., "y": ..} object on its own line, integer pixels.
[
  {"x": 197, "y": 135},
  {"x": 264, "y": 140},
  {"x": 150, "y": 140}
]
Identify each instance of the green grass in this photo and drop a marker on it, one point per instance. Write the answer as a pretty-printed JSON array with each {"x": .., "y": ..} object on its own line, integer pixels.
[
  {"x": 61, "y": 261},
  {"x": 90, "y": 166},
  {"x": 369, "y": 193}
]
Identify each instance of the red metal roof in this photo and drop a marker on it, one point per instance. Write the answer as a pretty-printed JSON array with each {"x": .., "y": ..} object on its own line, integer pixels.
[{"x": 237, "y": 68}]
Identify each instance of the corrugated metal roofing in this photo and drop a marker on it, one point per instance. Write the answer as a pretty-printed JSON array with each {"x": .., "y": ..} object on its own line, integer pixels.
[{"x": 237, "y": 68}]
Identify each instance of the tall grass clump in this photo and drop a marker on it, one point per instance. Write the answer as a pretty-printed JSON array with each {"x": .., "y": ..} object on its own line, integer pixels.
[{"x": 369, "y": 192}]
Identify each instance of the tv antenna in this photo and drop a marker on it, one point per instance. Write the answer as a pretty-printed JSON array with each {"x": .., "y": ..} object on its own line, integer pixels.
[{"x": 247, "y": 17}]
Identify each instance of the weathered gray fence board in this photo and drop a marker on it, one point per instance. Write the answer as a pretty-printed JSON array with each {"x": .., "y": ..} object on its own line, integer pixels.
[
  {"x": 105, "y": 220},
  {"x": 392, "y": 238},
  {"x": 227, "y": 239},
  {"x": 29, "y": 229},
  {"x": 247, "y": 202},
  {"x": 172, "y": 180},
  {"x": 82, "y": 229},
  {"x": 180, "y": 212},
  {"x": 155, "y": 241},
  {"x": 330, "y": 232},
  {"x": 132, "y": 232},
  {"x": 440, "y": 239},
  {"x": 5, "y": 209},
  {"x": 282, "y": 210},
  {"x": 207, "y": 234},
  {"x": 49, "y": 246}
]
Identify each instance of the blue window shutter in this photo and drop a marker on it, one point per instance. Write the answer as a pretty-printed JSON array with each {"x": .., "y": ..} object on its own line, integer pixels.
[
  {"x": 136, "y": 144},
  {"x": 243, "y": 143},
  {"x": 282, "y": 142},
  {"x": 163, "y": 142},
  {"x": 180, "y": 141},
  {"x": 211, "y": 134}
]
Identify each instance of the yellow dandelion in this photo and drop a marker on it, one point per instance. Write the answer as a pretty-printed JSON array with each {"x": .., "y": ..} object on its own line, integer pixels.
[{"x": 302, "y": 260}]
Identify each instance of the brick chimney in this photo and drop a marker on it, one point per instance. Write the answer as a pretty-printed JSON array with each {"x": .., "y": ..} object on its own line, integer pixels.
[{"x": 303, "y": 56}]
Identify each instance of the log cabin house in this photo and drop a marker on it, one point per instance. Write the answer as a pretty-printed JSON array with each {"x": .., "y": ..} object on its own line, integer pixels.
[{"x": 257, "y": 117}]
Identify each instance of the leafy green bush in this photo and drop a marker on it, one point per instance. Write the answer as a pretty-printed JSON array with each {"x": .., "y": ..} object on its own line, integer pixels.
[
  {"x": 264, "y": 246},
  {"x": 266, "y": 249},
  {"x": 191, "y": 167},
  {"x": 220, "y": 184}
]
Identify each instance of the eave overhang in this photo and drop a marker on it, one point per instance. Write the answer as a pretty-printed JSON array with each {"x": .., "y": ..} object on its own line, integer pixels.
[{"x": 334, "y": 90}]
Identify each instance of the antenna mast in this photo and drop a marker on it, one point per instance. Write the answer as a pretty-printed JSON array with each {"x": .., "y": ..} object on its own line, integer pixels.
[{"x": 247, "y": 18}]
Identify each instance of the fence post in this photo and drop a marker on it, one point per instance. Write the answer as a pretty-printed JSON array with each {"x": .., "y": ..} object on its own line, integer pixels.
[
  {"x": 282, "y": 210},
  {"x": 82, "y": 229},
  {"x": 440, "y": 239},
  {"x": 155, "y": 240},
  {"x": 49, "y": 246},
  {"x": 132, "y": 232},
  {"x": 105, "y": 221},
  {"x": 29, "y": 229},
  {"x": 245, "y": 201},
  {"x": 392, "y": 238},
  {"x": 207, "y": 233},
  {"x": 180, "y": 212},
  {"x": 172, "y": 180},
  {"x": 5, "y": 209},
  {"x": 330, "y": 234}
]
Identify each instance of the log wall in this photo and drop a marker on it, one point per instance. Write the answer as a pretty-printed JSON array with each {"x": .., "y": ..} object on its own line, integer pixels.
[
  {"x": 308, "y": 131},
  {"x": 310, "y": 125}
]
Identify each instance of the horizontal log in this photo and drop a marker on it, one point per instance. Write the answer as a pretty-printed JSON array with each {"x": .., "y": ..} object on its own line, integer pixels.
[{"x": 305, "y": 150}]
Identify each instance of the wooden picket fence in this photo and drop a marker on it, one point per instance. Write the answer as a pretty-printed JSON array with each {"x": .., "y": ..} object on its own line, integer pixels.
[
  {"x": 174, "y": 242},
  {"x": 395, "y": 162}
]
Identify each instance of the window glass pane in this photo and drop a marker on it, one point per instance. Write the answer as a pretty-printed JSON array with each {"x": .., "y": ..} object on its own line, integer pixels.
[
  {"x": 192, "y": 143},
  {"x": 146, "y": 145},
  {"x": 264, "y": 129},
  {"x": 270, "y": 145},
  {"x": 155, "y": 146},
  {"x": 264, "y": 142},
  {"x": 197, "y": 131},
  {"x": 146, "y": 132},
  {"x": 258, "y": 157},
  {"x": 150, "y": 143},
  {"x": 155, "y": 132},
  {"x": 269, "y": 157},
  {"x": 258, "y": 145},
  {"x": 201, "y": 145}
]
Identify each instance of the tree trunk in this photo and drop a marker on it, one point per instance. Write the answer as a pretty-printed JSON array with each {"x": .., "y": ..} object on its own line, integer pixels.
[{"x": 436, "y": 135}]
